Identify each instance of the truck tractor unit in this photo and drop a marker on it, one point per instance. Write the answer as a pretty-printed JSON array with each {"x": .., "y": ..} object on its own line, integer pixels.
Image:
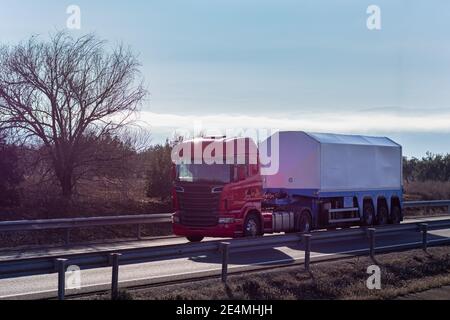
[{"x": 322, "y": 181}]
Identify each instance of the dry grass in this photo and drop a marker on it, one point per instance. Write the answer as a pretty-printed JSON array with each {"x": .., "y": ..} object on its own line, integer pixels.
[
  {"x": 38, "y": 239},
  {"x": 402, "y": 273},
  {"x": 95, "y": 198},
  {"x": 428, "y": 190}
]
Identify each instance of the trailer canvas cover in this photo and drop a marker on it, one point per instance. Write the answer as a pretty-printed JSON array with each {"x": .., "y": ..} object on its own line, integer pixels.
[{"x": 333, "y": 163}]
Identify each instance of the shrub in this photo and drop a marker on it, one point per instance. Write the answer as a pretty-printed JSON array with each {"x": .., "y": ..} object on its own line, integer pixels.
[{"x": 159, "y": 181}]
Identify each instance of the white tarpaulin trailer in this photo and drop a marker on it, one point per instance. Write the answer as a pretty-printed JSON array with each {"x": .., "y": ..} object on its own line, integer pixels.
[{"x": 333, "y": 163}]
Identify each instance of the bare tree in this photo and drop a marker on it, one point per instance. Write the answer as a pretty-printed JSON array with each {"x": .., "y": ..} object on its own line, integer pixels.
[{"x": 66, "y": 92}]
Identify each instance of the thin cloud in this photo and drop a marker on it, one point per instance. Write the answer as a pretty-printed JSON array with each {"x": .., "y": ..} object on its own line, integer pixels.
[{"x": 364, "y": 123}]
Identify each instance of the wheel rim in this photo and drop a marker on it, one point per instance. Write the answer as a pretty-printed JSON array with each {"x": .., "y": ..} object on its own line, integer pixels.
[{"x": 252, "y": 228}]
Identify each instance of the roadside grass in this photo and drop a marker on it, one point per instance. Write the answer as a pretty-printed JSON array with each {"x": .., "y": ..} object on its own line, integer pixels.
[
  {"x": 403, "y": 273},
  {"x": 94, "y": 199},
  {"x": 28, "y": 240},
  {"x": 423, "y": 191},
  {"x": 427, "y": 190}
]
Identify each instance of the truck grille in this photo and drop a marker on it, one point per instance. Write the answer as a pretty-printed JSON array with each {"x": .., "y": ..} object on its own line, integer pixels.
[
  {"x": 198, "y": 221},
  {"x": 199, "y": 206}
]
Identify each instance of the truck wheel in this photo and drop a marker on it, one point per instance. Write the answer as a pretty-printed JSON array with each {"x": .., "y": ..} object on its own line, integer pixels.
[
  {"x": 383, "y": 215},
  {"x": 195, "y": 238},
  {"x": 304, "y": 223},
  {"x": 396, "y": 215},
  {"x": 368, "y": 214},
  {"x": 252, "y": 226}
]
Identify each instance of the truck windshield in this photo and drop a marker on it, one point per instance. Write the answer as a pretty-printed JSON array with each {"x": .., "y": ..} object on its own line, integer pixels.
[{"x": 218, "y": 173}]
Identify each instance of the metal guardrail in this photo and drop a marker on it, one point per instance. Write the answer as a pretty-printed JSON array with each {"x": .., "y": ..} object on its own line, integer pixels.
[
  {"x": 101, "y": 259},
  {"x": 69, "y": 224},
  {"x": 28, "y": 225},
  {"x": 427, "y": 204},
  {"x": 138, "y": 220}
]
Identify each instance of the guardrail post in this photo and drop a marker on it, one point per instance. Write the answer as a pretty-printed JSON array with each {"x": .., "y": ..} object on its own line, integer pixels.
[
  {"x": 225, "y": 250},
  {"x": 139, "y": 231},
  {"x": 115, "y": 275},
  {"x": 371, "y": 234},
  {"x": 424, "y": 229},
  {"x": 307, "y": 239},
  {"x": 61, "y": 269}
]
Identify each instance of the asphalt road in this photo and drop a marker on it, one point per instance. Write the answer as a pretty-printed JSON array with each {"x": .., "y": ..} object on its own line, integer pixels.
[{"x": 188, "y": 267}]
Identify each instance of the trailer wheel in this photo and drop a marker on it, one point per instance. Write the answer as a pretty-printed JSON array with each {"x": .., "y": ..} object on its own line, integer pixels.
[
  {"x": 195, "y": 238},
  {"x": 368, "y": 213},
  {"x": 396, "y": 215},
  {"x": 383, "y": 215},
  {"x": 252, "y": 226},
  {"x": 304, "y": 223}
]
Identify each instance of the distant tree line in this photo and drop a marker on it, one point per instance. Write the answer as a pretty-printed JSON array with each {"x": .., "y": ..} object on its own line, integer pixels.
[
  {"x": 432, "y": 167},
  {"x": 112, "y": 158},
  {"x": 159, "y": 171}
]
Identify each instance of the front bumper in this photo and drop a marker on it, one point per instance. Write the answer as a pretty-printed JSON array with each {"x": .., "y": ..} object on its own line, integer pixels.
[{"x": 219, "y": 231}]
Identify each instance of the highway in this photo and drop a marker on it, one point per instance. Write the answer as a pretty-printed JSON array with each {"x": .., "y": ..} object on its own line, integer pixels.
[
  {"x": 124, "y": 245},
  {"x": 184, "y": 267}
]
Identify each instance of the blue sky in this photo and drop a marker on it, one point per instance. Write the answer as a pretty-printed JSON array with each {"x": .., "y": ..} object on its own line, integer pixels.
[{"x": 306, "y": 65}]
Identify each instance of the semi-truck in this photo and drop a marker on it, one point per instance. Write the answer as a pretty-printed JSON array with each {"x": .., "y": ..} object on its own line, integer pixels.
[{"x": 322, "y": 181}]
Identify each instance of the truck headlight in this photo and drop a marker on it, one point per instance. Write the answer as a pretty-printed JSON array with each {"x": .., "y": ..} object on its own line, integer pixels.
[{"x": 226, "y": 220}]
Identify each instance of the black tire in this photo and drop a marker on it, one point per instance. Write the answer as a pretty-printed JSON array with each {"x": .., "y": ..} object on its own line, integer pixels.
[
  {"x": 383, "y": 215},
  {"x": 252, "y": 226},
  {"x": 195, "y": 238},
  {"x": 304, "y": 222},
  {"x": 396, "y": 215},
  {"x": 368, "y": 214}
]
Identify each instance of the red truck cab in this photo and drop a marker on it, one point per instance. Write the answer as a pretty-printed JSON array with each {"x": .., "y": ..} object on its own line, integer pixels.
[{"x": 217, "y": 199}]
